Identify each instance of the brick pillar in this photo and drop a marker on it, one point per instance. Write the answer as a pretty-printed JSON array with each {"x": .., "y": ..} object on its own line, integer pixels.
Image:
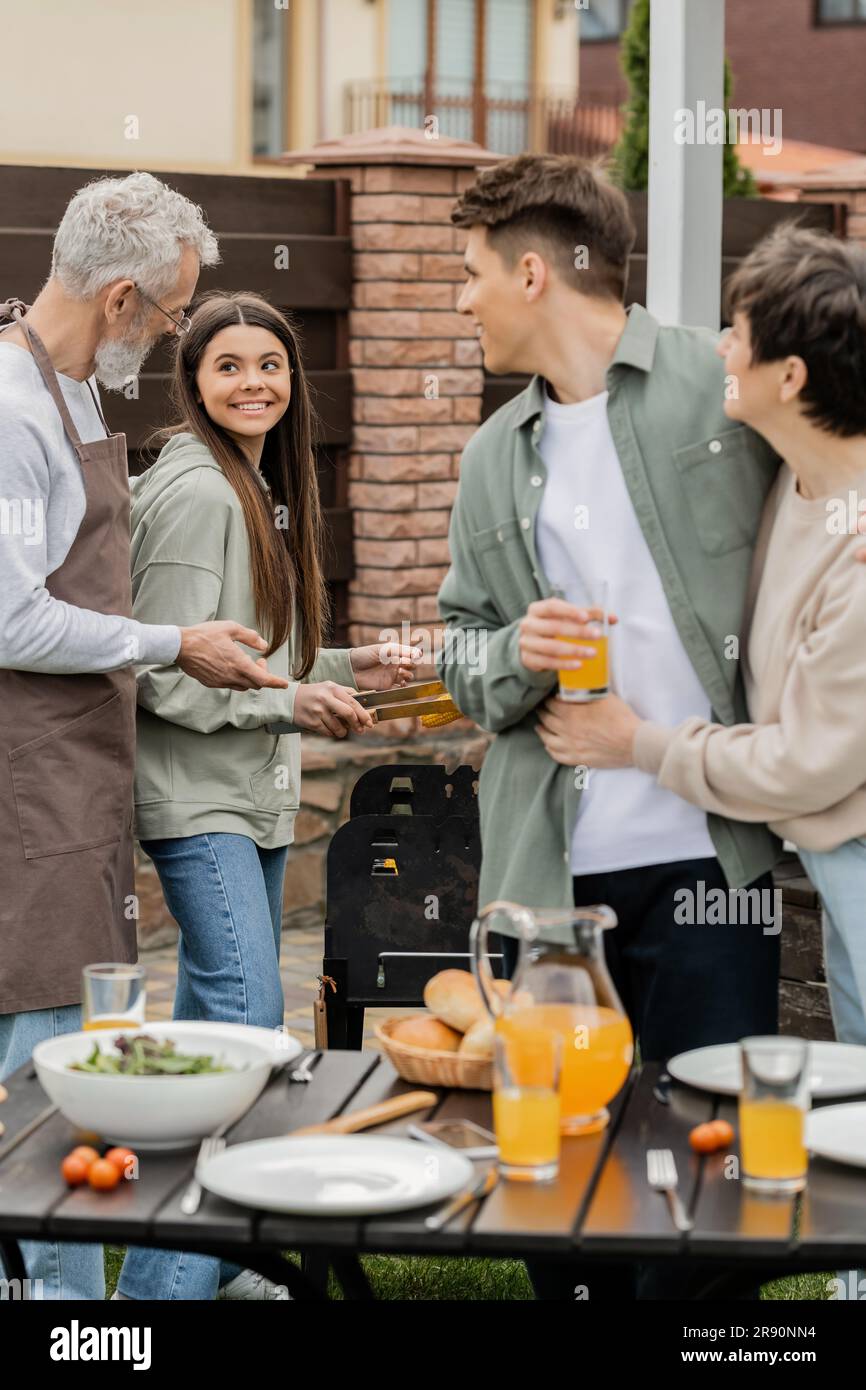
[{"x": 416, "y": 364}]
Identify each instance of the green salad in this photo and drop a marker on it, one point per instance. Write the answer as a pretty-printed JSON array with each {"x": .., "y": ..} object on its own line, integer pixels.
[{"x": 143, "y": 1055}]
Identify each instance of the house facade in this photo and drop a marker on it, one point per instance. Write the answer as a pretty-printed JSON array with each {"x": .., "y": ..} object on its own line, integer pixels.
[
  {"x": 225, "y": 86},
  {"x": 806, "y": 58}
]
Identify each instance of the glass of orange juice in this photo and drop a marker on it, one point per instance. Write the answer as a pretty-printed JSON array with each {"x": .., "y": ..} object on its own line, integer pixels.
[
  {"x": 773, "y": 1104},
  {"x": 591, "y": 680},
  {"x": 526, "y": 1104},
  {"x": 113, "y": 996}
]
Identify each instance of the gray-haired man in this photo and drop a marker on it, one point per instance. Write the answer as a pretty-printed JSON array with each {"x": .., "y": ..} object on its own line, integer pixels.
[{"x": 125, "y": 264}]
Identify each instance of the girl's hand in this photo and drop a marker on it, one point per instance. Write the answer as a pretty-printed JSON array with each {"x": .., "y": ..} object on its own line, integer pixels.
[
  {"x": 599, "y": 733},
  {"x": 384, "y": 665},
  {"x": 327, "y": 708}
]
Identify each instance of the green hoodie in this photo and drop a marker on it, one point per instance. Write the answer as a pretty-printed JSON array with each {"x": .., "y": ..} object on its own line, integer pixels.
[{"x": 206, "y": 760}]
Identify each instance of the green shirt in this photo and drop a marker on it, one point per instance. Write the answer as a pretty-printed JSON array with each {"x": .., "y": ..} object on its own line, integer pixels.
[
  {"x": 697, "y": 482},
  {"x": 206, "y": 758}
]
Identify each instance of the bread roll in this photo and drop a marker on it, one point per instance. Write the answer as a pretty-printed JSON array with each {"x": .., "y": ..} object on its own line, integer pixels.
[
  {"x": 453, "y": 996},
  {"x": 423, "y": 1031},
  {"x": 478, "y": 1041}
]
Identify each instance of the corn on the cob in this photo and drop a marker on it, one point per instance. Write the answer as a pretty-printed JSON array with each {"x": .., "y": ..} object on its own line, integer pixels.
[{"x": 433, "y": 721}]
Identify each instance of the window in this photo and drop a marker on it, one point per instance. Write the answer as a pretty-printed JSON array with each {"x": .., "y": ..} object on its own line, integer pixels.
[
  {"x": 507, "y": 74},
  {"x": 602, "y": 19},
  {"x": 490, "y": 38},
  {"x": 407, "y": 39},
  {"x": 454, "y": 58},
  {"x": 840, "y": 12},
  {"x": 270, "y": 88},
  {"x": 407, "y": 60}
]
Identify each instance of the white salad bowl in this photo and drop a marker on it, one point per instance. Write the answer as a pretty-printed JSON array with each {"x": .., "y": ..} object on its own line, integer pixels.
[{"x": 158, "y": 1112}]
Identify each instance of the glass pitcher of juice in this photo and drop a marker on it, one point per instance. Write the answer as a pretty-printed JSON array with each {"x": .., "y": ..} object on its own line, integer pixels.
[{"x": 561, "y": 983}]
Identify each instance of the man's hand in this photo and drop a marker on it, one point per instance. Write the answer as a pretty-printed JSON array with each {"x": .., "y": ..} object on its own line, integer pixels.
[
  {"x": 599, "y": 733},
  {"x": 327, "y": 708},
  {"x": 546, "y": 623},
  {"x": 210, "y": 654}
]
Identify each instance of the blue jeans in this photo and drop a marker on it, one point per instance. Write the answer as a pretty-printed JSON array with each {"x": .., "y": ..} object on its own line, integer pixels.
[
  {"x": 840, "y": 877},
  {"x": 67, "y": 1271},
  {"x": 226, "y": 895}
]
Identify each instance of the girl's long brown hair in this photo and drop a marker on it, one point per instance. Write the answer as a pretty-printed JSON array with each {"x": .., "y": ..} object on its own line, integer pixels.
[{"x": 286, "y": 564}]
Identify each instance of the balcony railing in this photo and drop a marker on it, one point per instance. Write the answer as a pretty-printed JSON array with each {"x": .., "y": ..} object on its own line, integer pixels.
[{"x": 502, "y": 117}]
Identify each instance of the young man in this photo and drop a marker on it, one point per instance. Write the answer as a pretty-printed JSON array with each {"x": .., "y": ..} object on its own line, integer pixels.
[
  {"x": 616, "y": 463},
  {"x": 797, "y": 349}
]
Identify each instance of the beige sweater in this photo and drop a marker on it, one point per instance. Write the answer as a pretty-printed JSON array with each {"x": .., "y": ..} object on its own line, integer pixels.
[{"x": 802, "y": 765}]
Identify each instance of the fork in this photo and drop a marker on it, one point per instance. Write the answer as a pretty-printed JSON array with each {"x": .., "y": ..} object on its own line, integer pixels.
[
  {"x": 304, "y": 1070},
  {"x": 661, "y": 1171},
  {"x": 210, "y": 1147},
  {"x": 214, "y": 1143}
]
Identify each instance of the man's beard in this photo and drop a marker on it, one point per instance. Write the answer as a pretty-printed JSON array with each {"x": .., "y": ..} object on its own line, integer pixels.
[{"x": 119, "y": 360}]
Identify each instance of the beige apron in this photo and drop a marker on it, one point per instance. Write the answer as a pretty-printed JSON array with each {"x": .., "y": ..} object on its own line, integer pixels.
[{"x": 67, "y": 756}]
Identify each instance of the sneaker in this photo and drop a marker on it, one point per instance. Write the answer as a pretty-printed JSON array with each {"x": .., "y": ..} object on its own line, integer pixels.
[{"x": 249, "y": 1285}]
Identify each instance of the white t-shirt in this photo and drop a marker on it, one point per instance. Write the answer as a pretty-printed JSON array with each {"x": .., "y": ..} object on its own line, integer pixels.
[
  {"x": 42, "y": 505},
  {"x": 587, "y": 529}
]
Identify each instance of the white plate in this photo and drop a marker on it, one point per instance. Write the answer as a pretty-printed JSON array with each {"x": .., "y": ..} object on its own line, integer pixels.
[
  {"x": 836, "y": 1069},
  {"x": 335, "y": 1174},
  {"x": 838, "y": 1132}
]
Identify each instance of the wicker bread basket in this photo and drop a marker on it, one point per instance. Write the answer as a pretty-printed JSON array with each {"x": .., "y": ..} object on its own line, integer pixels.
[{"x": 433, "y": 1068}]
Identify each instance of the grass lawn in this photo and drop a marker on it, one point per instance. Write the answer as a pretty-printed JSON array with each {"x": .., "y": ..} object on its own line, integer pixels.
[{"x": 435, "y": 1280}]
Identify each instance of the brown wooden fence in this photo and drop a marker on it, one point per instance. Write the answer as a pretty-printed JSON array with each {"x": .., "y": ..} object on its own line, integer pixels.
[
  {"x": 746, "y": 220},
  {"x": 252, "y": 218}
]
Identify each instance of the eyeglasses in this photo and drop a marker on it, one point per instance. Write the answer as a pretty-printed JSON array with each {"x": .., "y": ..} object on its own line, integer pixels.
[{"x": 181, "y": 325}]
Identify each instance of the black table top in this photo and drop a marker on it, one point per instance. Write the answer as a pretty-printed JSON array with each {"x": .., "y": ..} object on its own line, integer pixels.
[{"x": 600, "y": 1206}]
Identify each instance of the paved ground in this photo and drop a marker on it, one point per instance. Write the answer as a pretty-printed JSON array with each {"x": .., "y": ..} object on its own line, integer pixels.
[{"x": 301, "y": 962}]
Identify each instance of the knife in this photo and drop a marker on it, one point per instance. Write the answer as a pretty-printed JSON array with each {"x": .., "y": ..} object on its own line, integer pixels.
[
  {"x": 480, "y": 1189},
  {"x": 28, "y": 1129}
]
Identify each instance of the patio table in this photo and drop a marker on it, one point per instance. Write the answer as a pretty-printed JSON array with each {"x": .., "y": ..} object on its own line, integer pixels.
[{"x": 600, "y": 1208}]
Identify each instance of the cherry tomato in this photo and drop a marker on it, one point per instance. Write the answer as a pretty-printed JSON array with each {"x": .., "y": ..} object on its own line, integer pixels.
[
  {"x": 124, "y": 1160},
  {"x": 704, "y": 1138},
  {"x": 85, "y": 1153},
  {"x": 74, "y": 1170},
  {"x": 103, "y": 1175},
  {"x": 724, "y": 1132}
]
